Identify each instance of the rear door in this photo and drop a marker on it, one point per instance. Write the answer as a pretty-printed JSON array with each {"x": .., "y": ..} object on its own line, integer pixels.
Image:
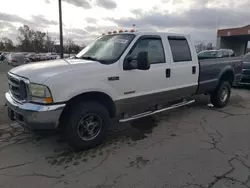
[{"x": 184, "y": 70}]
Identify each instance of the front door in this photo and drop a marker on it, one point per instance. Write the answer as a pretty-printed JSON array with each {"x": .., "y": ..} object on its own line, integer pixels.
[{"x": 142, "y": 89}]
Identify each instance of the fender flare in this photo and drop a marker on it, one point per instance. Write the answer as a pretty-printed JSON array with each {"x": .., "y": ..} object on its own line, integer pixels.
[{"x": 224, "y": 71}]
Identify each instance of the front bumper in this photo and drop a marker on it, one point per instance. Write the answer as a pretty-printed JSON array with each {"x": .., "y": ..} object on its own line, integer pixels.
[{"x": 34, "y": 116}]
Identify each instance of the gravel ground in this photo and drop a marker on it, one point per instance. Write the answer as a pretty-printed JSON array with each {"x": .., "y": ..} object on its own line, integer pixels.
[{"x": 195, "y": 147}]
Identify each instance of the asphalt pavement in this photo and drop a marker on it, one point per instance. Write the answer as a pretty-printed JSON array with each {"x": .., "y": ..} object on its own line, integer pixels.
[{"x": 197, "y": 146}]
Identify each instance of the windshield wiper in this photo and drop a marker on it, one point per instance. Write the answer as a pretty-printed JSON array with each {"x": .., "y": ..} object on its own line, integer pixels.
[
  {"x": 94, "y": 59},
  {"x": 89, "y": 58}
]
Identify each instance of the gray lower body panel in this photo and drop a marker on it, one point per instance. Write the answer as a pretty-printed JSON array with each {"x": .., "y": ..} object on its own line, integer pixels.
[
  {"x": 207, "y": 86},
  {"x": 136, "y": 105}
]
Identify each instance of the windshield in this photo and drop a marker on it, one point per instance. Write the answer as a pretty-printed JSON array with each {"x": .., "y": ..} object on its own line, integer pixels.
[{"x": 106, "y": 49}]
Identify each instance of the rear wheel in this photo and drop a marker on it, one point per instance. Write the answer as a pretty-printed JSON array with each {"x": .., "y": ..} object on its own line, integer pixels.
[
  {"x": 220, "y": 97},
  {"x": 87, "y": 125}
]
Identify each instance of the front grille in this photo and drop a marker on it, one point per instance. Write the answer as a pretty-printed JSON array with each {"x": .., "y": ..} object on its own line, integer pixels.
[{"x": 17, "y": 88}]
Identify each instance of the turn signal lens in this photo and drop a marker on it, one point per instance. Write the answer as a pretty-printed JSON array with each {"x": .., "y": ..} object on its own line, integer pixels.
[{"x": 49, "y": 100}]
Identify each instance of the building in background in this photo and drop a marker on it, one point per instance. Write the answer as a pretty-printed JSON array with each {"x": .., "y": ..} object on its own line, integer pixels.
[{"x": 235, "y": 39}]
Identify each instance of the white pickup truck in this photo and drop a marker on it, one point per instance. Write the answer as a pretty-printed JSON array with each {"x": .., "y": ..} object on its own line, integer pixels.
[{"x": 123, "y": 76}]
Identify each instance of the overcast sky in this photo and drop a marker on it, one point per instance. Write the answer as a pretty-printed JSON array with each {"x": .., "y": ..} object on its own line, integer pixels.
[{"x": 85, "y": 19}]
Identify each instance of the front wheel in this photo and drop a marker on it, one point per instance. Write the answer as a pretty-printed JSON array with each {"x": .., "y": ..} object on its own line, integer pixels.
[
  {"x": 220, "y": 97},
  {"x": 87, "y": 125}
]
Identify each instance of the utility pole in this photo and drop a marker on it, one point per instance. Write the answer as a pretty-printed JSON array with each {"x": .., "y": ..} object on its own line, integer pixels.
[
  {"x": 60, "y": 27},
  {"x": 47, "y": 41}
]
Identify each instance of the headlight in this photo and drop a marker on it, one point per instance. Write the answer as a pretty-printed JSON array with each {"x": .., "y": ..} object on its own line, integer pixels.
[{"x": 40, "y": 93}]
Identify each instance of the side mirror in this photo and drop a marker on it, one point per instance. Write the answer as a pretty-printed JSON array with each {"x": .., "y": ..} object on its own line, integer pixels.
[
  {"x": 142, "y": 61},
  {"x": 128, "y": 63}
]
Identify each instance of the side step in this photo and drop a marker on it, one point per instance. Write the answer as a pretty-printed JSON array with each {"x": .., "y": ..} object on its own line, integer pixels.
[{"x": 149, "y": 113}]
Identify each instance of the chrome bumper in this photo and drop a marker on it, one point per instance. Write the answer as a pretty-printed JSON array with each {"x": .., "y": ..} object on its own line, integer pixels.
[{"x": 34, "y": 116}]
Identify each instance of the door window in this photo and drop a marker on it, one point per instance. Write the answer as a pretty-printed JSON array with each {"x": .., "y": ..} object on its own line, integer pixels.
[
  {"x": 154, "y": 48},
  {"x": 180, "y": 49}
]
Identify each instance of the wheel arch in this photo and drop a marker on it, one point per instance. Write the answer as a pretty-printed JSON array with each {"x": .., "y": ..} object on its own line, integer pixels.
[
  {"x": 227, "y": 74},
  {"x": 100, "y": 97}
]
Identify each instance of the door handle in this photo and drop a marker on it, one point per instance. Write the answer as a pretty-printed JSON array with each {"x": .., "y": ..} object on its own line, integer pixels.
[
  {"x": 168, "y": 73},
  {"x": 193, "y": 69}
]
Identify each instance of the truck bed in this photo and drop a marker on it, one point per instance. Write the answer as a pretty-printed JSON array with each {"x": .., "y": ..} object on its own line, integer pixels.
[{"x": 211, "y": 71}]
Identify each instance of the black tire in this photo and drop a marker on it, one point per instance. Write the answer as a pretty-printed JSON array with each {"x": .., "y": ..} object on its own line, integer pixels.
[
  {"x": 77, "y": 113},
  {"x": 218, "y": 98}
]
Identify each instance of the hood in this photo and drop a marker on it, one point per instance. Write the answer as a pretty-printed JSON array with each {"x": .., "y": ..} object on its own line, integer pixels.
[
  {"x": 246, "y": 65},
  {"x": 39, "y": 72}
]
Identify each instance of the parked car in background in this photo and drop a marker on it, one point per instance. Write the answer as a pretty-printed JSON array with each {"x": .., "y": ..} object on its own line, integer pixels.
[
  {"x": 54, "y": 55},
  {"x": 3, "y": 56},
  {"x": 208, "y": 54},
  {"x": 32, "y": 57},
  {"x": 48, "y": 56},
  {"x": 25, "y": 53},
  {"x": 42, "y": 57},
  {"x": 38, "y": 57},
  {"x": 66, "y": 56},
  {"x": 16, "y": 59},
  {"x": 245, "y": 80}
]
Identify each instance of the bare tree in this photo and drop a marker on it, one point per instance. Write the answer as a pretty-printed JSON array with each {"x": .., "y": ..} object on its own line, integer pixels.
[{"x": 6, "y": 44}]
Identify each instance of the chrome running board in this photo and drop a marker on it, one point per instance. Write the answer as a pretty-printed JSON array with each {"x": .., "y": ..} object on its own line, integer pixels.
[{"x": 149, "y": 113}]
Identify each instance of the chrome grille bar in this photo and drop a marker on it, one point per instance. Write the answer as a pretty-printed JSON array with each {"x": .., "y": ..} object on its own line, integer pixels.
[{"x": 17, "y": 87}]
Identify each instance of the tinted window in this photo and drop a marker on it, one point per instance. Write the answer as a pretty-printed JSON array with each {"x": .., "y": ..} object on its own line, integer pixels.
[
  {"x": 154, "y": 48},
  {"x": 180, "y": 49}
]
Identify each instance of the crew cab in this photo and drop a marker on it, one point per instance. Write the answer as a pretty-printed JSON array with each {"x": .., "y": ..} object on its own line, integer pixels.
[{"x": 120, "y": 76}]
